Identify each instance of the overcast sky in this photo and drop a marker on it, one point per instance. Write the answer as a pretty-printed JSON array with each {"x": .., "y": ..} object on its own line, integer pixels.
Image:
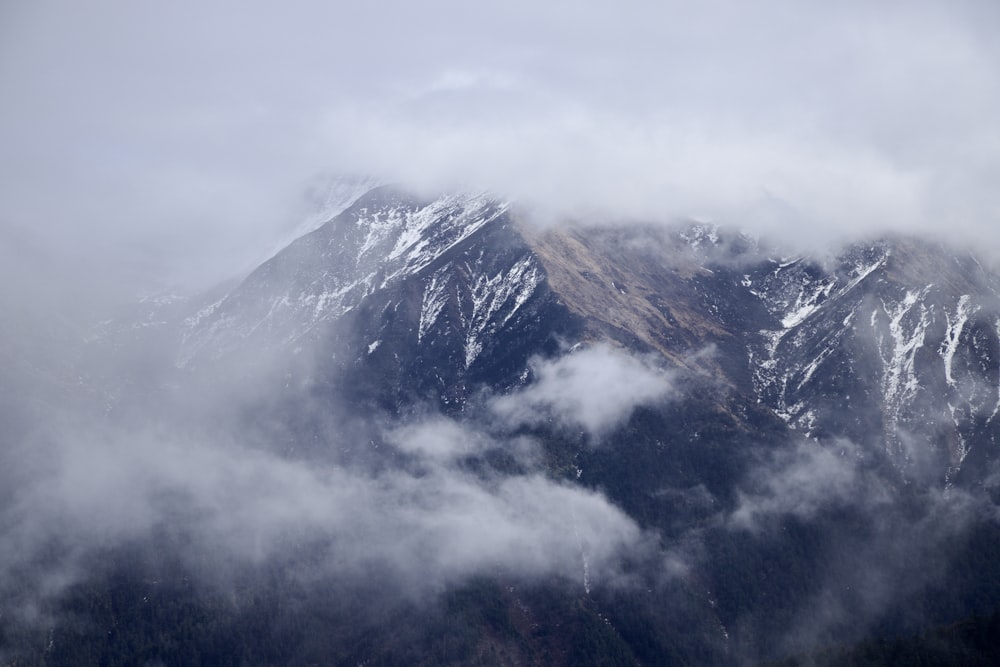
[{"x": 181, "y": 136}]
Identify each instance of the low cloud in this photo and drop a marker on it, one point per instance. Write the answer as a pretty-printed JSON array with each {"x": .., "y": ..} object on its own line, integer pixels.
[
  {"x": 440, "y": 440},
  {"x": 426, "y": 524},
  {"x": 595, "y": 389},
  {"x": 803, "y": 479}
]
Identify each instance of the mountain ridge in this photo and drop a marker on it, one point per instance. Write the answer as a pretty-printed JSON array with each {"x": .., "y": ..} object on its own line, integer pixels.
[
  {"x": 802, "y": 451},
  {"x": 708, "y": 300}
]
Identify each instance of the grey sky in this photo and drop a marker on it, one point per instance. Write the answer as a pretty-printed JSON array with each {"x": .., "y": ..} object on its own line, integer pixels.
[{"x": 183, "y": 134}]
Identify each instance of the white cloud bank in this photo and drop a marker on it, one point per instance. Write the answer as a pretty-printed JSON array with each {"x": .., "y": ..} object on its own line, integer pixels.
[
  {"x": 595, "y": 388},
  {"x": 180, "y": 134},
  {"x": 423, "y": 525}
]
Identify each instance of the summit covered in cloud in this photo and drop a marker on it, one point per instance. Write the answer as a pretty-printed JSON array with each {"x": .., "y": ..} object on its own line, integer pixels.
[{"x": 178, "y": 137}]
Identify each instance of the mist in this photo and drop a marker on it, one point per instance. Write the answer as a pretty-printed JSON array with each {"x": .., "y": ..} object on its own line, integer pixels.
[
  {"x": 410, "y": 503},
  {"x": 165, "y": 149}
]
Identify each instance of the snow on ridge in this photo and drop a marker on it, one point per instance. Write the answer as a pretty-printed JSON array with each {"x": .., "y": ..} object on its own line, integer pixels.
[
  {"x": 785, "y": 262},
  {"x": 387, "y": 240},
  {"x": 495, "y": 299},
  {"x": 862, "y": 271},
  {"x": 698, "y": 233},
  {"x": 806, "y": 304},
  {"x": 791, "y": 294},
  {"x": 424, "y": 234},
  {"x": 338, "y": 196}
]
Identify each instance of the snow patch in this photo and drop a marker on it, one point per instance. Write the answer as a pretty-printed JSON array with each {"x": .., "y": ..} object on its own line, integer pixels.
[
  {"x": 954, "y": 333},
  {"x": 862, "y": 271},
  {"x": 493, "y": 294},
  {"x": 435, "y": 298},
  {"x": 698, "y": 234},
  {"x": 806, "y": 303},
  {"x": 383, "y": 243},
  {"x": 996, "y": 408},
  {"x": 440, "y": 226},
  {"x": 898, "y": 352}
]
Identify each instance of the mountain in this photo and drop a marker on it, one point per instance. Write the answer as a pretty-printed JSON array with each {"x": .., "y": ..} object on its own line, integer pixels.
[
  {"x": 886, "y": 340},
  {"x": 775, "y": 453}
]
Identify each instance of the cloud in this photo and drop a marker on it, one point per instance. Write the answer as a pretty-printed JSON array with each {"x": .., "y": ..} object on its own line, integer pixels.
[
  {"x": 180, "y": 136},
  {"x": 408, "y": 501},
  {"x": 440, "y": 440},
  {"x": 569, "y": 161},
  {"x": 423, "y": 526},
  {"x": 805, "y": 478},
  {"x": 874, "y": 550},
  {"x": 595, "y": 388}
]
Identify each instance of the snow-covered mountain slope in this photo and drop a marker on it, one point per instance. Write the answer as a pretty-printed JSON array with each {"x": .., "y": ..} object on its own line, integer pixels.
[
  {"x": 383, "y": 239},
  {"x": 328, "y": 198},
  {"x": 896, "y": 343},
  {"x": 394, "y": 300},
  {"x": 432, "y": 297},
  {"x": 892, "y": 343}
]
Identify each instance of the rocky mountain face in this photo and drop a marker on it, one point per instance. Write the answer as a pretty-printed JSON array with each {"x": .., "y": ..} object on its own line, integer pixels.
[
  {"x": 808, "y": 444},
  {"x": 892, "y": 343}
]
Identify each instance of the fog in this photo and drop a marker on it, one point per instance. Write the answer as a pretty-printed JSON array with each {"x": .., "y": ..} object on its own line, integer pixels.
[
  {"x": 878, "y": 565},
  {"x": 431, "y": 527},
  {"x": 180, "y": 138},
  {"x": 80, "y": 483}
]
